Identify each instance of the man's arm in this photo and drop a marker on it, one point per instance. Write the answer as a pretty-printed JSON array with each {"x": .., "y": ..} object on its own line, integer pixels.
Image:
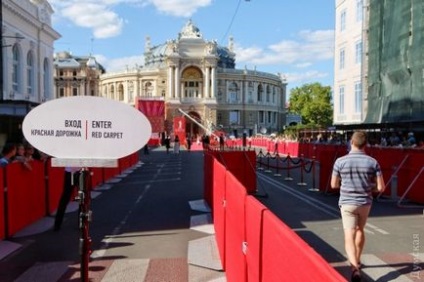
[
  {"x": 335, "y": 181},
  {"x": 381, "y": 186}
]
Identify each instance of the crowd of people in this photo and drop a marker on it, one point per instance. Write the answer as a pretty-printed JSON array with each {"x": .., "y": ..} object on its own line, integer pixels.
[
  {"x": 23, "y": 153},
  {"x": 396, "y": 139}
]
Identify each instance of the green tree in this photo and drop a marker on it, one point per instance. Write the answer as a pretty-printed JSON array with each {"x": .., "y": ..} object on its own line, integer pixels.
[{"x": 313, "y": 103}]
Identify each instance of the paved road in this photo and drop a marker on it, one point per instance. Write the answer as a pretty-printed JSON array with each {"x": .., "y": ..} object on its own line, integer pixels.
[{"x": 143, "y": 227}]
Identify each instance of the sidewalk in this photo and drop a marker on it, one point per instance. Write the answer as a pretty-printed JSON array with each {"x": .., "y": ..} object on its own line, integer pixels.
[{"x": 183, "y": 254}]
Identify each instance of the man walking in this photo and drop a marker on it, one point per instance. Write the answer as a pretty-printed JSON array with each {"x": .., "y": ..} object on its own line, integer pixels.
[{"x": 357, "y": 175}]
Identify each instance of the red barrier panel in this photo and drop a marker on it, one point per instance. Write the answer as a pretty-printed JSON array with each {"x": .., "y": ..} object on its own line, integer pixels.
[
  {"x": 234, "y": 229},
  {"x": 26, "y": 195},
  {"x": 2, "y": 223},
  {"x": 96, "y": 176},
  {"x": 242, "y": 164},
  {"x": 110, "y": 172},
  {"x": 55, "y": 186},
  {"x": 254, "y": 214},
  {"x": 286, "y": 257},
  {"x": 410, "y": 171},
  {"x": 218, "y": 211},
  {"x": 326, "y": 156}
]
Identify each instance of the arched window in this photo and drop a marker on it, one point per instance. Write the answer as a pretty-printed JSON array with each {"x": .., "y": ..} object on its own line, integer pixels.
[
  {"x": 46, "y": 79},
  {"x": 260, "y": 91},
  {"x": 148, "y": 89},
  {"x": 30, "y": 73},
  {"x": 121, "y": 92},
  {"x": 16, "y": 71},
  {"x": 192, "y": 80},
  {"x": 112, "y": 92}
]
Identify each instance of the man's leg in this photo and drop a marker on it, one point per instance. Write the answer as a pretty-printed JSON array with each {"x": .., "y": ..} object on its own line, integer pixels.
[
  {"x": 350, "y": 228},
  {"x": 350, "y": 247},
  {"x": 363, "y": 213}
]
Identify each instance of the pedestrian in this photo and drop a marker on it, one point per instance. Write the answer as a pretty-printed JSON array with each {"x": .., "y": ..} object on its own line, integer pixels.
[
  {"x": 21, "y": 157},
  {"x": 221, "y": 142},
  {"x": 167, "y": 143},
  {"x": 8, "y": 152},
  {"x": 188, "y": 143},
  {"x": 70, "y": 182},
  {"x": 176, "y": 144},
  {"x": 357, "y": 175},
  {"x": 146, "y": 149}
]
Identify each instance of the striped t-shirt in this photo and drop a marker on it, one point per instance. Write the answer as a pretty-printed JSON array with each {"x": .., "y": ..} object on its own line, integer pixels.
[{"x": 358, "y": 173}]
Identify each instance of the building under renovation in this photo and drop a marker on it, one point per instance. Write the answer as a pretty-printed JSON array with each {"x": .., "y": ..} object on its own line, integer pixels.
[{"x": 379, "y": 67}]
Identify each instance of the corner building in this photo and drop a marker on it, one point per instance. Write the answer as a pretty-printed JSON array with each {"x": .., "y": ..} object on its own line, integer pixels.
[{"x": 199, "y": 77}]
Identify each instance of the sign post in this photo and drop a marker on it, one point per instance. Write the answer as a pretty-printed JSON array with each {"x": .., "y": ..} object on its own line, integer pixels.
[{"x": 83, "y": 132}]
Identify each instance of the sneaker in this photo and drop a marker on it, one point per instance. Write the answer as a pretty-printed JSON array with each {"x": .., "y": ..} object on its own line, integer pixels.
[{"x": 356, "y": 276}]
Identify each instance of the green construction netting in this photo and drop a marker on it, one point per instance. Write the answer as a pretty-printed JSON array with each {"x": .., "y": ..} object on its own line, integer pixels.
[{"x": 395, "y": 61}]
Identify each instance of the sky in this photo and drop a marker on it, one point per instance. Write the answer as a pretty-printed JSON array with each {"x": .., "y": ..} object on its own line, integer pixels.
[{"x": 294, "y": 38}]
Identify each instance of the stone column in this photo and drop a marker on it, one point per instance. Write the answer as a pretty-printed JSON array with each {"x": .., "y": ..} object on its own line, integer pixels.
[
  {"x": 177, "y": 83},
  {"x": 170, "y": 82},
  {"x": 207, "y": 83},
  {"x": 213, "y": 83}
]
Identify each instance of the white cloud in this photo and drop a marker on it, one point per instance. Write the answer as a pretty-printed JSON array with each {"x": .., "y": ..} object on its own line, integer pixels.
[
  {"x": 120, "y": 64},
  {"x": 304, "y": 77},
  {"x": 312, "y": 46},
  {"x": 180, "y": 8},
  {"x": 99, "y": 15},
  {"x": 303, "y": 65},
  {"x": 93, "y": 15}
]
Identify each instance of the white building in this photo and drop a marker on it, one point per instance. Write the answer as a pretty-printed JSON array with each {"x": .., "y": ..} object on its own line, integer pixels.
[
  {"x": 349, "y": 85},
  {"x": 27, "y": 61},
  {"x": 199, "y": 77}
]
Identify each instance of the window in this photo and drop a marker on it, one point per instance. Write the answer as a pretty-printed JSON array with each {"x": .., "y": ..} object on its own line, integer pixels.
[
  {"x": 233, "y": 89},
  {"x": 75, "y": 91},
  {"x": 342, "y": 59},
  {"x": 16, "y": 76},
  {"x": 358, "y": 52},
  {"x": 358, "y": 97},
  {"x": 234, "y": 117},
  {"x": 341, "y": 99},
  {"x": 30, "y": 73},
  {"x": 191, "y": 89},
  {"x": 121, "y": 92},
  {"x": 260, "y": 90},
  {"x": 269, "y": 117},
  {"x": 359, "y": 10},
  {"x": 343, "y": 20},
  {"x": 261, "y": 116}
]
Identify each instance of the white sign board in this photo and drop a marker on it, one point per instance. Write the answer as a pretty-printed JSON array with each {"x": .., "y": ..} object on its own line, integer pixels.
[{"x": 86, "y": 127}]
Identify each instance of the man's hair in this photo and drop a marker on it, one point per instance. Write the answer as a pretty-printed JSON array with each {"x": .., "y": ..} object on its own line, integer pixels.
[
  {"x": 8, "y": 148},
  {"x": 359, "y": 139}
]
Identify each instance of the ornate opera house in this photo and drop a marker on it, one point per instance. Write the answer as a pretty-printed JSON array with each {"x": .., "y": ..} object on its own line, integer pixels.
[{"x": 196, "y": 79}]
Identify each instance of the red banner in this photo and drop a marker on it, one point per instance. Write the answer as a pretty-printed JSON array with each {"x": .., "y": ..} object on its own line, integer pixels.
[
  {"x": 154, "y": 110},
  {"x": 180, "y": 128}
]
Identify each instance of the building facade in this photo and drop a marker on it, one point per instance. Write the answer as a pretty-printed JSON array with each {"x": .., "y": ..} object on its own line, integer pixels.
[
  {"x": 348, "y": 91},
  {"x": 27, "y": 62},
  {"x": 197, "y": 77},
  {"x": 76, "y": 75}
]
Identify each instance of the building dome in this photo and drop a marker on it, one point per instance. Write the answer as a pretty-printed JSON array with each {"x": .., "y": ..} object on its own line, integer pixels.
[{"x": 156, "y": 56}]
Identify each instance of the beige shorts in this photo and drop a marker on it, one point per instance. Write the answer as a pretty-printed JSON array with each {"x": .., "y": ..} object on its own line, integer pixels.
[{"x": 354, "y": 216}]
